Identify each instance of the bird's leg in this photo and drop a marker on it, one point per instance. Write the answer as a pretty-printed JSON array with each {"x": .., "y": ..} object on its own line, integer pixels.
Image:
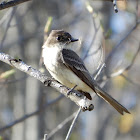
[
  {"x": 70, "y": 90},
  {"x": 16, "y": 60}
]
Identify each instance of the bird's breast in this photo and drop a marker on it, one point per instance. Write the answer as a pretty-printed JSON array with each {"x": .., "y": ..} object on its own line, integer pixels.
[
  {"x": 62, "y": 73},
  {"x": 50, "y": 58}
]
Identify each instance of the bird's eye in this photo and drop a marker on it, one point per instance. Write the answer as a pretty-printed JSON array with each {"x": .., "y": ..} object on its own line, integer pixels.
[{"x": 58, "y": 38}]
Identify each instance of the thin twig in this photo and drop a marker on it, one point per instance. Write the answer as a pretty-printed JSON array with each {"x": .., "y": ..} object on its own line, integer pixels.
[
  {"x": 72, "y": 125},
  {"x": 7, "y": 4},
  {"x": 99, "y": 71},
  {"x": 45, "y": 137},
  {"x": 61, "y": 125},
  {"x": 119, "y": 72},
  {"x": 7, "y": 27},
  {"x": 5, "y": 17}
]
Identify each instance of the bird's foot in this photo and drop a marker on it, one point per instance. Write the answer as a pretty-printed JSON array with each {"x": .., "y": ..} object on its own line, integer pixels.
[
  {"x": 70, "y": 90},
  {"x": 15, "y": 60}
]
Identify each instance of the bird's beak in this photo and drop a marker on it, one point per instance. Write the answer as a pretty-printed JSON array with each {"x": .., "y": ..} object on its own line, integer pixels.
[{"x": 73, "y": 40}]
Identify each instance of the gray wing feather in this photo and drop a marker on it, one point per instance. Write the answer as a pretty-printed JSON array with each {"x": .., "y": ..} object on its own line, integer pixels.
[{"x": 75, "y": 63}]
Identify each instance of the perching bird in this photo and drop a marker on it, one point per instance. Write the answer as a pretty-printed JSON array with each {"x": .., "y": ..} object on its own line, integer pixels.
[{"x": 68, "y": 68}]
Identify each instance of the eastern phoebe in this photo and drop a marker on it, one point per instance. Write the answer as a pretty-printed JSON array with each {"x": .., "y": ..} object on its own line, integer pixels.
[{"x": 68, "y": 68}]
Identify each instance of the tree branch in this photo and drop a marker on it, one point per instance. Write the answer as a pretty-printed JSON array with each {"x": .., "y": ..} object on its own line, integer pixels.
[
  {"x": 7, "y": 27},
  {"x": 11, "y": 3},
  {"x": 61, "y": 125},
  {"x": 72, "y": 125},
  {"x": 75, "y": 96}
]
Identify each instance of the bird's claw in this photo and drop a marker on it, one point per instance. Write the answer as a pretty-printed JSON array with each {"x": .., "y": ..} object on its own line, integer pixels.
[
  {"x": 15, "y": 60},
  {"x": 70, "y": 90}
]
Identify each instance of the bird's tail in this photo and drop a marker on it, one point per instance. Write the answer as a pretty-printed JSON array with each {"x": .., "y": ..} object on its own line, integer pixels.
[{"x": 121, "y": 109}]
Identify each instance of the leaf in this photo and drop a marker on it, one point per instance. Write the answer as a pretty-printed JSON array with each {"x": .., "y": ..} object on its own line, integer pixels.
[
  {"x": 6, "y": 74},
  {"x": 121, "y": 4}
]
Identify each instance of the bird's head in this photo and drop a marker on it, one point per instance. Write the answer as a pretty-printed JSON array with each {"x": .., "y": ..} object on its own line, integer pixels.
[{"x": 60, "y": 38}]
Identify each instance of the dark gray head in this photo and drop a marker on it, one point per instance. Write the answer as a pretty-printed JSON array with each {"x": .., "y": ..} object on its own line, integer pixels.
[{"x": 60, "y": 37}]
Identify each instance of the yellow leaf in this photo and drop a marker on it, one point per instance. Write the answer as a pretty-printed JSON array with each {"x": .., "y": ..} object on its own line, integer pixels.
[
  {"x": 119, "y": 81},
  {"x": 6, "y": 74},
  {"x": 121, "y": 4},
  {"x": 126, "y": 123}
]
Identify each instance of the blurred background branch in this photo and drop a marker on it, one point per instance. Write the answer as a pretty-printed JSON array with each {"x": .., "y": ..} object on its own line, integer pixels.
[
  {"x": 11, "y": 3},
  {"x": 22, "y": 35},
  {"x": 31, "y": 114}
]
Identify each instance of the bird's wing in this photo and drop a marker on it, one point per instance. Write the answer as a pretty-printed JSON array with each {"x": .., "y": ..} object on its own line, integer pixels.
[{"x": 75, "y": 63}]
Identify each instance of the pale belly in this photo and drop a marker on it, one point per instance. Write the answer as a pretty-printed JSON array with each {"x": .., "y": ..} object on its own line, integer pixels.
[{"x": 62, "y": 74}]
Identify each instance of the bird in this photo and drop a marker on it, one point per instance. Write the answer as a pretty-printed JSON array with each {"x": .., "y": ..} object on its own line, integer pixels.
[{"x": 68, "y": 68}]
